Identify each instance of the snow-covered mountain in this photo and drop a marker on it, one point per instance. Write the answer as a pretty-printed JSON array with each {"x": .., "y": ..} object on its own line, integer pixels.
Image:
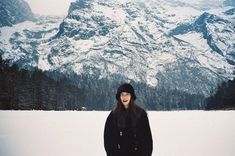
[
  {"x": 229, "y": 2},
  {"x": 175, "y": 52},
  {"x": 14, "y": 11}
]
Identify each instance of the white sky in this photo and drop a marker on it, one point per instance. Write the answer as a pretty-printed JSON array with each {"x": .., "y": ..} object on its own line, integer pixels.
[
  {"x": 50, "y": 7},
  {"x": 60, "y": 7}
]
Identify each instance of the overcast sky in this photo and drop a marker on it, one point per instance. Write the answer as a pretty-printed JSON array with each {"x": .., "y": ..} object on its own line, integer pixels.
[
  {"x": 50, "y": 7},
  {"x": 60, "y": 7}
]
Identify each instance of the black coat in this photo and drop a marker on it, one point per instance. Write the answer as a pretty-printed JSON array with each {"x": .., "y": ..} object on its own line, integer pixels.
[{"x": 128, "y": 141}]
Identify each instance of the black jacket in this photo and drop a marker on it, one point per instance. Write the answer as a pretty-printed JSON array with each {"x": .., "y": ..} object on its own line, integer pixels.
[{"x": 128, "y": 141}]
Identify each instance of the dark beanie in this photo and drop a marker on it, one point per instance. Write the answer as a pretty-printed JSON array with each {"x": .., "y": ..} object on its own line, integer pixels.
[{"x": 126, "y": 87}]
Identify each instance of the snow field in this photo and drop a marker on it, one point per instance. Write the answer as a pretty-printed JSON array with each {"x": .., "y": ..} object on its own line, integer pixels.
[{"x": 76, "y": 133}]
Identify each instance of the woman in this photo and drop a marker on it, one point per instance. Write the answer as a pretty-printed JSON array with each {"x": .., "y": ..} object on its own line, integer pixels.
[{"x": 127, "y": 131}]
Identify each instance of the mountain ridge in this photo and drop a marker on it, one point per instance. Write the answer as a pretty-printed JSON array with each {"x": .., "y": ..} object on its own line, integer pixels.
[
  {"x": 101, "y": 44},
  {"x": 14, "y": 11}
]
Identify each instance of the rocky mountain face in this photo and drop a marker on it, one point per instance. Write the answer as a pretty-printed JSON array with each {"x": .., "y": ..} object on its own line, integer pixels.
[
  {"x": 14, "y": 11},
  {"x": 175, "y": 53},
  {"x": 229, "y": 2},
  {"x": 212, "y": 29}
]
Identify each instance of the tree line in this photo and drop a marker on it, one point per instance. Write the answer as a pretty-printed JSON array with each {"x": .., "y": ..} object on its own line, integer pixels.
[
  {"x": 35, "y": 90},
  {"x": 27, "y": 90},
  {"x": 224, "y": 98}
]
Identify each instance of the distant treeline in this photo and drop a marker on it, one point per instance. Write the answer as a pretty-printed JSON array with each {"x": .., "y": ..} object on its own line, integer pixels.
[
  {"x": 224, "y": 98},
  {"x": 24, "y": 90}
]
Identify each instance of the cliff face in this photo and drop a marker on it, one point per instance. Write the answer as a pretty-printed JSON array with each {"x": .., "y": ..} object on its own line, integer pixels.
[
  {"x": 14, "y": 11},
  {"x": 21, "y": 89}
]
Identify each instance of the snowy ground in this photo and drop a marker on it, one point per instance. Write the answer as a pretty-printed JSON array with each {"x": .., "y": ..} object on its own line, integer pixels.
[{"x": 74, "y": 133}]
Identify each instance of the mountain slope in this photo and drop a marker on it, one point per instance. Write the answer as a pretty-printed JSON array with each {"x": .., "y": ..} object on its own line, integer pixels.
[
  {"x": 14, "y": 11},
  {"x": 217, "y": 32},
  {"x": 173, "y": 59}
]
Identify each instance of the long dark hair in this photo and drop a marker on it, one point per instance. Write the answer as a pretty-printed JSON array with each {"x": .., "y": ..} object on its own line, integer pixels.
[{"x": 134, "y": 112}]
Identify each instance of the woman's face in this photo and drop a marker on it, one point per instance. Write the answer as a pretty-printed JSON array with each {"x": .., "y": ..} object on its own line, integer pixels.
[{"x": 125, "y": 99}]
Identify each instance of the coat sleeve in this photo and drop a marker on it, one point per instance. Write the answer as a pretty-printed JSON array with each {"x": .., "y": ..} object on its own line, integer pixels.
[
  {"x": 110, "y": 140},
  {"x": 147, "y": 140}
]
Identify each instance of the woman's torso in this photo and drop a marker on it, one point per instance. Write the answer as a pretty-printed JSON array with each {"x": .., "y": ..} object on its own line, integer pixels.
[{"x": 128, "y": 137}]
